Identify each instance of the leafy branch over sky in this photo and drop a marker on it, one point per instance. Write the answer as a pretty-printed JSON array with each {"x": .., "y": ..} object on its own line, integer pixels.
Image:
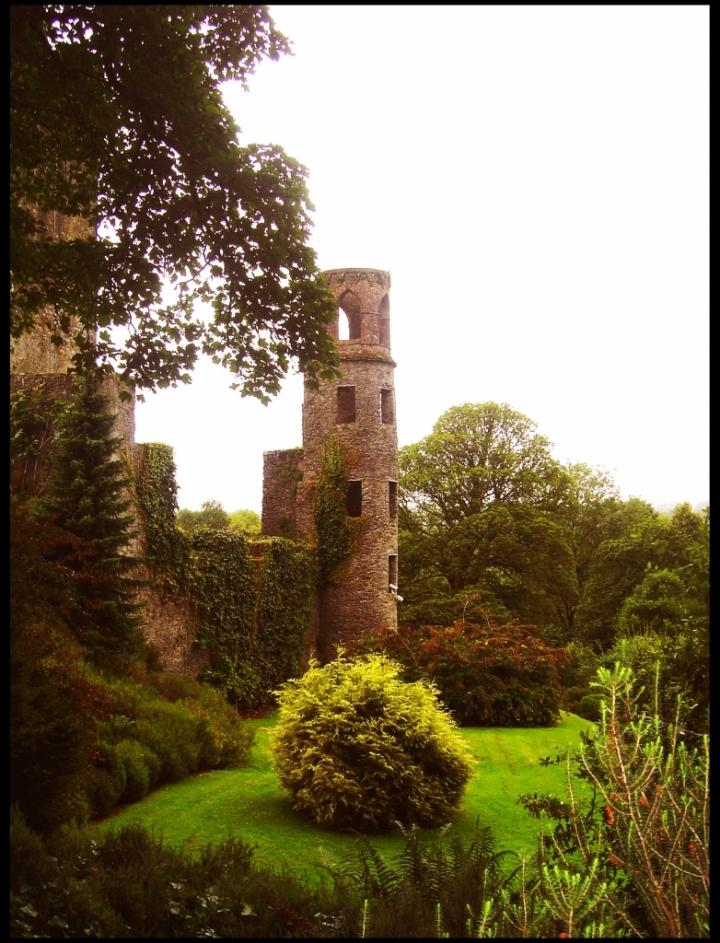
[{"x": 129, "y": 188}]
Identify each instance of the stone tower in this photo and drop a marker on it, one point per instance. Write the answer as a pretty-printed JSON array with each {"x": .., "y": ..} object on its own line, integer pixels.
[{"x": 359, "y": 411}]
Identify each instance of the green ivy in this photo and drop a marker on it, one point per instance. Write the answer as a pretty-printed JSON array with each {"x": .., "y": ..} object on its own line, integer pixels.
[
  {"x": 156, "y": 493},
  {"x": 255, "y": 611},
  {"x": 285, "y": 585},
  {"x": 254, "y": 599},
  {"x": 338, "y": 535},
  {"x": 220, "y": 582}
]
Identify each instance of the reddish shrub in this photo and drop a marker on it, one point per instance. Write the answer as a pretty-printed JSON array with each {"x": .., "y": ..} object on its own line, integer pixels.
[{"x": 493, "y": 675}]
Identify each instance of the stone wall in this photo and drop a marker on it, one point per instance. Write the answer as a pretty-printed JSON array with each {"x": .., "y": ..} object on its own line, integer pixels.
[
  {"x": 49, "y": 388},
  {"x": 281, "y": 475},
  {"x": 168, "y": 620},
  {"x": 33, "y": 352},
  {"x": 170, "y": 624}
]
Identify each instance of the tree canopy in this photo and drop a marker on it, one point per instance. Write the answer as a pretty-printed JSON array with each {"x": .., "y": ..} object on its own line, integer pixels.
[
  {"x": 482, "y": 502},
  {"x": 479, "y": 455},
  {"x": 212, "y": 515},
  {"x": 490, "y": 523},
  {"x": 127, "y": 177}
]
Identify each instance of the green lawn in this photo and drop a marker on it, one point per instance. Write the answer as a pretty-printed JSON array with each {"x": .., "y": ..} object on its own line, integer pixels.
[{"x": 250, "y": 803}]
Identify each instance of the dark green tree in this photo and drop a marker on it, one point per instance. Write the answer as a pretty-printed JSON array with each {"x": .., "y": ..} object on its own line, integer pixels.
[
  {"x": 50, "y": 735},
  {"x": 126, "y": 175},
  {"x": 625, "y": 590},
  {"x": 87, "y": 501},
  {"x": 482, "y": 505}
]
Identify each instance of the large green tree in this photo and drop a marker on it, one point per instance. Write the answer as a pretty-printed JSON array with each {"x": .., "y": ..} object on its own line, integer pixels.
[
  {"x": 127, "y": 176},
  {"x": 481, "y": 521}
]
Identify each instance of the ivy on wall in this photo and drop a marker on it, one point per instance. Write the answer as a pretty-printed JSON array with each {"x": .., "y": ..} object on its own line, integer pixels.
[
  {"x": 254, "y": 598},
  {"x": 255, "y": 601},
  {"x": 156, "y": 494},
  {"x": 220, "y": 583},
  {"x": 286, "y": 593},
  {"x": 338, "y": 536}
]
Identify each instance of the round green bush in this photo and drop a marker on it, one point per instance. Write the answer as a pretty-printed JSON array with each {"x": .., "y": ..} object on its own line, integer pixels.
[
  {"x": 358, "y": 748},
  {"x": 106, "y": 783},
  {"x": 137, "y": 775}
]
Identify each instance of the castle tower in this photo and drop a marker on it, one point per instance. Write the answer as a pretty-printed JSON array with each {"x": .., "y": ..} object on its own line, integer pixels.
[{"x": 359, "y": 411}]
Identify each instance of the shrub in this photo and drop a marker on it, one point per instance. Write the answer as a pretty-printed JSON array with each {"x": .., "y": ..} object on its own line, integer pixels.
[
  {"x": 168, "y": 730},
  {"x": 133, "y": 756},
  {"x": 489, "y": 676},
  {"x": 223, "y": 738},
  {"x": 637, "y": 852},
  {"x": 358, "y": 748}
]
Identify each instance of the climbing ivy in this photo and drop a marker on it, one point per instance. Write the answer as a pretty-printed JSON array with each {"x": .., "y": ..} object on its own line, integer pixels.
[
  {"x": 285, "y": 581},
  {"x": 255, "y": 602},
  {"x": 338, "y": 535},
  {"x": 220, "y": 583},
  {"x": 253, "y": 598},
  {"x": 156, "y": 492}
]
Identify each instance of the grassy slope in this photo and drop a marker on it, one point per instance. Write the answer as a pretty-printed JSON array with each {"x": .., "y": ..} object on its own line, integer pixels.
[{"x": 250, "y": 803}]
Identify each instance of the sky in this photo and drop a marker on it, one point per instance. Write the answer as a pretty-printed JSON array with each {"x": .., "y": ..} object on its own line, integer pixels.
[{"x": 536, "y": 181}]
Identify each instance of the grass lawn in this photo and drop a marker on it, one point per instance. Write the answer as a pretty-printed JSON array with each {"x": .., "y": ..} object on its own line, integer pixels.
[{"x": 249, "y": 802}]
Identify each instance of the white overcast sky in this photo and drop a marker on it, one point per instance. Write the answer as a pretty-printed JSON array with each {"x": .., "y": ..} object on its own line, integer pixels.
[{"x": 536, "y": 181}]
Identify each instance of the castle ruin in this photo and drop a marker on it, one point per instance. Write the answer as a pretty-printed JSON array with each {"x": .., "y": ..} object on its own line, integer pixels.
[{"x": 358, "y": 410}]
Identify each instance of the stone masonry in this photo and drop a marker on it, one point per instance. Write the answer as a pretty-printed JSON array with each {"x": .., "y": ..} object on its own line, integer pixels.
[{"x": 359, "y": 411}]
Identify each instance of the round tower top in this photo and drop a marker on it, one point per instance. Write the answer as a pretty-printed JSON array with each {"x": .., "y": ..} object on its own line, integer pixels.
[{"x": 362, "y": 294}]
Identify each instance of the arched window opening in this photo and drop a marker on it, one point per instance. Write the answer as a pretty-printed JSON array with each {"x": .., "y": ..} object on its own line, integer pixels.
[
  {"x": 343, "y": 326},
  {"x": 350, "y": 307}
]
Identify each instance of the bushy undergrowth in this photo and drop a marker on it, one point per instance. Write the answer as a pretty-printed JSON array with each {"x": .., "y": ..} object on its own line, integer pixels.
[
  {"x": 129, "y": 884},
  {"x": 358, "y": 748},
  {"x": 87, "y": 735},
  {"x": 638, "y": 855},
  {"x": 160, "y": 732},
  {"x": 492, "y": 675},
  {"x": 632, "y": 861}
]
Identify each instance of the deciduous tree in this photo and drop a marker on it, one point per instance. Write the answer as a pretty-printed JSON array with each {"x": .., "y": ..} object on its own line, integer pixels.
[
  {"x": 211, "y": 515},
  {"x": 127, "y": 176},
  {"x": 480, "y": 521}
]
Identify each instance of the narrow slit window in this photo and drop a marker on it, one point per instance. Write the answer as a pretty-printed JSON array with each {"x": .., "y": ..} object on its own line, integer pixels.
[
  {"x": 345, "y": 404},
  {"x": 387, "y": 406},
  {"x": 392, "y": 572},
  {"x": 392, "y": 500},
  {"x": 353, "y": 504},
  {"x": 385, "y": 322}
]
